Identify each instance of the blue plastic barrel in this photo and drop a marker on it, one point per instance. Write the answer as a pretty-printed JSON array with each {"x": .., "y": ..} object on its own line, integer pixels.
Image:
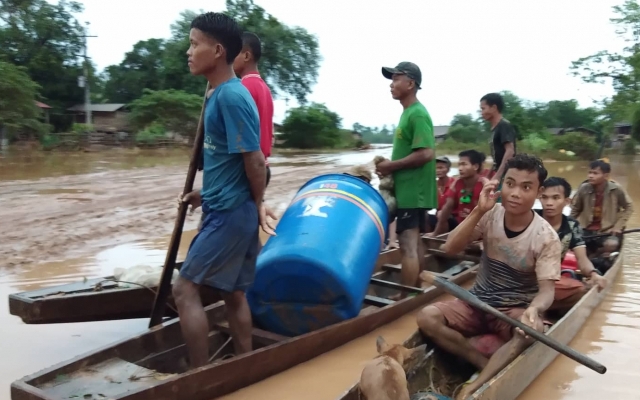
[{"x": 316, "y": 271}]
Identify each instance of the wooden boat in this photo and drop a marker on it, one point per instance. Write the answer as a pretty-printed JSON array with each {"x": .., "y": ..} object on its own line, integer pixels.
[
  {"x": 105, "y": 299},
  {"x": 152, "y": 365},
  {"x": 440, "y": 372}
]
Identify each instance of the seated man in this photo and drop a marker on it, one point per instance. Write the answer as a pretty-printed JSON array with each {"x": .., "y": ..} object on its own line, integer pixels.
[
  {"x": 519, "y": 267},
  {"x": 569, "y": 291},
  {"x": 601, "y": 206},
  {"x": 484, "y": 172},
  {"x": 444, "y": 184},
  {"x": 463, "y": 196}
]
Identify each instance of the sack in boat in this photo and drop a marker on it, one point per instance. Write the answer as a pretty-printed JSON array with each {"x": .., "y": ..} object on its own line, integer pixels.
[{"x": 143, "y": 275}]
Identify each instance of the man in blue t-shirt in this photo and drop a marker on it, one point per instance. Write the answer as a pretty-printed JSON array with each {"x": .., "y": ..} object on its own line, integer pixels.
[{"x": 223, "y": 253}]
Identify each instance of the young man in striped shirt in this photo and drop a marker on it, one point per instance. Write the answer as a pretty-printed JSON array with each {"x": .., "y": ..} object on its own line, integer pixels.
[{"x": 517, "y": 274}]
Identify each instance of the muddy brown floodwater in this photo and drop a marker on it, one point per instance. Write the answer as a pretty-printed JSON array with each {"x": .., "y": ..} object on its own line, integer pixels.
[{"x": 70, "y": 216}]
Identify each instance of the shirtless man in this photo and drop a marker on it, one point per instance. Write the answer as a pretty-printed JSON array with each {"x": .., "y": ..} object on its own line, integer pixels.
[
  {"x": 601, "y": 206},
  {"x": 519, "y": 267},
  {"x": 556, "y": 196}
]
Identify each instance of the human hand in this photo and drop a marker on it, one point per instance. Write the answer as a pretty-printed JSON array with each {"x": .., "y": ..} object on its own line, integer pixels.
[
  {"x": 488, "y": 196},
  {"x": 532, "y": 319},
  {"x": 384, "y": 168},
  {"x": 263, "y": 213},
  {"x": 615, "y": 231},
  {"x": 599, "y": 281},
  {"x": 194, "y": 199}
]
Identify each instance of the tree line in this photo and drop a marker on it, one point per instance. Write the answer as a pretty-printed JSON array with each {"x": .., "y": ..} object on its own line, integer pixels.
[{"x": 40, "y": 59}]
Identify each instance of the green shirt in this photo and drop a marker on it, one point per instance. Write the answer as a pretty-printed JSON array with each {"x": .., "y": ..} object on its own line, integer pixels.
[{"x": 415, "y": 187}]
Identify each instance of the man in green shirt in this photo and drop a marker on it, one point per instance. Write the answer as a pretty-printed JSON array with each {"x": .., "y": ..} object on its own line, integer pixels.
[{"x": 413, "y": 167}]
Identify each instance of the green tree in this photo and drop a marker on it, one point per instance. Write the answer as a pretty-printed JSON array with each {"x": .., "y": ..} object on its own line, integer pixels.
[
  {"x": 620, "y": 69},
  {"x": 173, "y": 110},
  {"x": 465, "y": 129},
  {"x": 290, "y": 55},
  {"x": 311, "y": 126},
  {"x": 289, "y": 64},
  {"x": 18, "y": 111},
  {"x": 45, "y": 38},
  {"x": 142, "y": 68}
]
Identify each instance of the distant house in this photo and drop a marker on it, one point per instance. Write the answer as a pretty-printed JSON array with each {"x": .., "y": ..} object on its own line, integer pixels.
[
  {"x": 622, "y": 129},
  {"x": 45, "y": 109},
  {"x": 581, "y": 129},
  {"x": 104, "y": 117},
  {"x": 440, "y": 132},
  {"x": 356, "y": 135}
]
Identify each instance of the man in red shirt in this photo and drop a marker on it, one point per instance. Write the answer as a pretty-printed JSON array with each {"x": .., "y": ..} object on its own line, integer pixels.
[
  {"x": 246, "y": 67},
  {"x": 463, "y": 196}
]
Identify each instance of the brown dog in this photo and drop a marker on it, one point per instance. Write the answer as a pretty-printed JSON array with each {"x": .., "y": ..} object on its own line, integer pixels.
[
  {"x": 387, "y": 188},
  {"x": 384, "y": 377}
]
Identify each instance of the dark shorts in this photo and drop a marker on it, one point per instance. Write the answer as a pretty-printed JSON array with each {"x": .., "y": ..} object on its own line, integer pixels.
[
  {"x": 411, "y": 218},
  {"x": 596, "y": 243},
  {"x": 433, "y": 222},
  {"x": 223, "y": 254}
]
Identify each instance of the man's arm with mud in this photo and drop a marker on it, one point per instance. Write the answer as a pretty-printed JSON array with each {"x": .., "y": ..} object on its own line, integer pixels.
[
  {"x": 548, "y": 267},
  {"x": 469, "y": 230}
]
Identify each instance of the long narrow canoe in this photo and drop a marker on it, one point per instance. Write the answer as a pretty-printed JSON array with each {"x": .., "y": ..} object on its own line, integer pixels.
[
  {"x": 441, "y": 373},
  {"x": 153, "y": 365},
  {"x": 104, "y": 298}
]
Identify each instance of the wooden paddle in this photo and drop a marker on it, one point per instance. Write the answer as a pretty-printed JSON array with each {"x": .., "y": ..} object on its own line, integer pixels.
[
  {"x": 159, "y": 305},
  {"x": 469, "y": 298},
  {"x": 599, "y": 235}
]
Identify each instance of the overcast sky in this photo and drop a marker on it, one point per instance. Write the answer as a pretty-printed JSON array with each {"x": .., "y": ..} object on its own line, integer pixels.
[{"x": 465, "y": 48}]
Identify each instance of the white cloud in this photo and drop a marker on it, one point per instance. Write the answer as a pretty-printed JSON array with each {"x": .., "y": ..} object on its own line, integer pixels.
[{"x": 465, "y": 48}]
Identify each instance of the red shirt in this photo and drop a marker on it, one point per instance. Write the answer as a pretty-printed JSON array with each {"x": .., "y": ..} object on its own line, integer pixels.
[
  {"x": 464, "y": 202},
  {"x": 596, "y": 222},
  {"x": 264, "y": 101},
  {"x": 443, "y": 191},
  {"x": 485, "y": 173}
]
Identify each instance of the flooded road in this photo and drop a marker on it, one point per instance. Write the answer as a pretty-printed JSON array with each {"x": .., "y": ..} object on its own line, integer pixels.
[{"x": 67, "y": 217}]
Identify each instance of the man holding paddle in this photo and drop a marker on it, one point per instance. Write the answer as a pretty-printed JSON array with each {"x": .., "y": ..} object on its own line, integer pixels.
[
  {"x": 519, "y": 267},
  {"x": 223, "y": 253}
]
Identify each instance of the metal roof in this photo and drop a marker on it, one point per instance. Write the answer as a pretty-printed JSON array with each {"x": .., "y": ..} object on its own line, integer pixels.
[
  {"x": 42, "y": 105},
  {"x": 98, "y": 107}
]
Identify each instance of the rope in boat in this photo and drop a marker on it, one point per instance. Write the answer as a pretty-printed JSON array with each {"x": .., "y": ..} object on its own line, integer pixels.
[{"x": 99, "y": 285}]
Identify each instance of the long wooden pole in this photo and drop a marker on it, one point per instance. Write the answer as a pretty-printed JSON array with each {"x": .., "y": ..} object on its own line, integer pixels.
[
  {"x": 599, "y": 235},
  {"x": 159, "y": 305},
  {"x": 469, "y": 298}
]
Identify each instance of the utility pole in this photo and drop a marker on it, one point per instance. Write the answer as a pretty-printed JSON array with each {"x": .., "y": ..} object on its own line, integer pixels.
[{"x": 85, "y": 81}]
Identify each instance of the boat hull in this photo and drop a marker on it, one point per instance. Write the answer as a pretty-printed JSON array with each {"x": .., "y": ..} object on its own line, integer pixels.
[{"x": 161, "y": 350}]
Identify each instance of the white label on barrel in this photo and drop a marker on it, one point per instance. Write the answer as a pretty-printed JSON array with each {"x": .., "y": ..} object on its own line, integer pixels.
[{"x": 312, "y": 206}]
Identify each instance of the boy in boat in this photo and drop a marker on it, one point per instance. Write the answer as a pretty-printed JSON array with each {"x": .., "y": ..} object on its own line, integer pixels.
[
  {"x": 445, "y": 184},
  {"x": 223, "y": 253},
  {"x": 519, "y": 267},
  {"x": 601, "y": 206},
  {"x": 463, "y": 196},
  {"x": 556, "y": 196},
  {"x": 413, "y": 167},
  {"x": 503, "y": 141}
]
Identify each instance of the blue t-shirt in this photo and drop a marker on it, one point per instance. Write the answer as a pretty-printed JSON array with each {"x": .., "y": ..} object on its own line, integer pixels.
[{"x": 231, "y": 127}]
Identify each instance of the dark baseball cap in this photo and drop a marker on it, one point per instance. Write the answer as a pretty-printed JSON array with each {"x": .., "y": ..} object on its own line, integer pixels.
[
  {"x": 444, "y": 160},
  {"x": 409, "y": 69}
]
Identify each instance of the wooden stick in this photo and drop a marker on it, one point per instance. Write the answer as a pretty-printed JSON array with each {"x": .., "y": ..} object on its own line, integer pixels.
[
  {"x": 472, "y": 300},
  {"x": 159, "y": 305},
  {"x": 599, "y": 235}
]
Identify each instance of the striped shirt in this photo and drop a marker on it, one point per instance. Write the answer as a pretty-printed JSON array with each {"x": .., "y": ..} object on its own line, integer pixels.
[{"x": 510, "y": 268}]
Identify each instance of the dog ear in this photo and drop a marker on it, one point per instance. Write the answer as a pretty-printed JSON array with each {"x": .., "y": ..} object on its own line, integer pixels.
[{"x": 381, "y": 345}]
